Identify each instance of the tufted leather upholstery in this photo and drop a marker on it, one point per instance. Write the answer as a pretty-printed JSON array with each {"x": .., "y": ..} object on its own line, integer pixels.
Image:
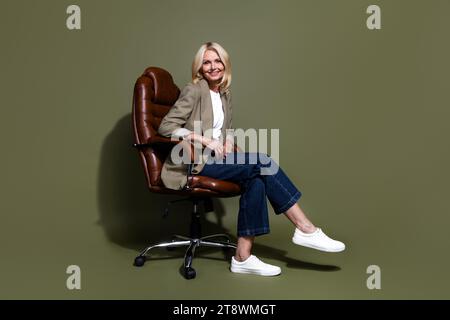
[{"x": 154, "y": 94}]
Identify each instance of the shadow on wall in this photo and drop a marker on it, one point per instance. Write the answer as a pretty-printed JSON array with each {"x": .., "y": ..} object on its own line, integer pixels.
[{"x": 130, "y": 214}]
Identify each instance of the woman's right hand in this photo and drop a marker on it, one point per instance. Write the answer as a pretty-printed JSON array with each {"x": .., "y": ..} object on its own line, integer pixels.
[{"x": 212, "y": 144}]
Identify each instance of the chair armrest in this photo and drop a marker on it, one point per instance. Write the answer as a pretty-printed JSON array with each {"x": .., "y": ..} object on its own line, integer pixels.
[
  {"x": 156, "y": 140},
  {"x": 161, "y": 140}
]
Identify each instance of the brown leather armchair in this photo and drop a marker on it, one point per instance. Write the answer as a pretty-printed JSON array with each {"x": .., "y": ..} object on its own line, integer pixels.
[{"x": 154, "y": 94}]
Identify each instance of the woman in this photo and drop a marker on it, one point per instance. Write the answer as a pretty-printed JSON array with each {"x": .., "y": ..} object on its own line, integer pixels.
[{"x": 208, "y": 99}]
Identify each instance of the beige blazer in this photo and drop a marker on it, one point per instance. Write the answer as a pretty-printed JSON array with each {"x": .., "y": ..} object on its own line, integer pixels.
[{"x": 193, "y": 104}]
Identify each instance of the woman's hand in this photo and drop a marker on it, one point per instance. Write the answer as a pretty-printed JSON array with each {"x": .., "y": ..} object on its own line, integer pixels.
[
  {"x": 213, "y": 145},
  {"x": 229, "y": 147},
  {"x": 216, "y": 146}
]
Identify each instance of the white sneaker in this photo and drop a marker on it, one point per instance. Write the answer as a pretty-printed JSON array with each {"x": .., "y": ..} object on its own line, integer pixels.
[
  {"x": 317, "y": 240},
  {"x": 254, "y": 266}
]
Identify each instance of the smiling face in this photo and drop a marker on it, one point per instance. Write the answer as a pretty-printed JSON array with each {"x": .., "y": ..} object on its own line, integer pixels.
[{"x": 212, "y": 67}]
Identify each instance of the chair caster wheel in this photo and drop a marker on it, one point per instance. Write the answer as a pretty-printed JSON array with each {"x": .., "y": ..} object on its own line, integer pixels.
[
  {"x": 139, "y": 261},
  {"x": 189, "y": 273}
]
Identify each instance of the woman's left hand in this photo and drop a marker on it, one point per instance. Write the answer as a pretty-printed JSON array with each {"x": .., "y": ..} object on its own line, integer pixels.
[{"x": 228, "y": 147}]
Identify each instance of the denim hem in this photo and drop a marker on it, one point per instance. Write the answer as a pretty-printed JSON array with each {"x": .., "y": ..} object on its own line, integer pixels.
[
  {"x": 253, "y": 232},
  {"x": 289, "y": 204}
]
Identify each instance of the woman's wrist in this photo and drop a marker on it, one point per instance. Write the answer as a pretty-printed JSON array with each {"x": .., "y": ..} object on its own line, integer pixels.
[
  {"x": 205, "y": 141},
  {"x": 192, "y": 137}
]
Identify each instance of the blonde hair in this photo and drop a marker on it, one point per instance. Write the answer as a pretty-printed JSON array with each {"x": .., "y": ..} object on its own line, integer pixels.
[{"x": 223, "y": 55}]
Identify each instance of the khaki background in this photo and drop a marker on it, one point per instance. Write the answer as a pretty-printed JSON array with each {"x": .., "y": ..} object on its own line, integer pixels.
[{"x": 363, "y": 118}]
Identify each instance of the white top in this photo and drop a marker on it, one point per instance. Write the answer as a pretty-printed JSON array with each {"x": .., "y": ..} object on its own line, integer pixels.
[
  {"x": 218, "y": 118},
  {"x": 217, "y": 114}
]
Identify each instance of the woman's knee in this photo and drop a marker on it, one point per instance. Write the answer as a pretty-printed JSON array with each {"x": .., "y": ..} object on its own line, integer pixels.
[
  {"x": 268, "y": 165},
  {"x": 264, "y": 158},
  {"x": 257, "y": 158},
  {"x": 259, "y": 163}
]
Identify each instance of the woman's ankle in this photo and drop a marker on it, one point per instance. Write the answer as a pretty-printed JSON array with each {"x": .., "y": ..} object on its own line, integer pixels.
[
  {"x": 306, "y": 227},
  {"x": 241, "y": 256}
]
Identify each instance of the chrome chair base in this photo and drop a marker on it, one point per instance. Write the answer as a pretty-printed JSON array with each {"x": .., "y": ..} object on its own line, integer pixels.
[{"x": 192, "y": 244}]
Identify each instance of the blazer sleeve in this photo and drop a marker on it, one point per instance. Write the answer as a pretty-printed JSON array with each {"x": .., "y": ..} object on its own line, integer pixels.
[{"x": 174, "y": 121}]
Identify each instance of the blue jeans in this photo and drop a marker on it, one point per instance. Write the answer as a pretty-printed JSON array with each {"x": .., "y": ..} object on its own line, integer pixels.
[{"x": 259, "y": 176}]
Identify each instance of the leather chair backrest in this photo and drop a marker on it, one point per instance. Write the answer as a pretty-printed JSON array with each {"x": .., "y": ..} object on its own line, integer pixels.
[{"x": 154, "y": 94}]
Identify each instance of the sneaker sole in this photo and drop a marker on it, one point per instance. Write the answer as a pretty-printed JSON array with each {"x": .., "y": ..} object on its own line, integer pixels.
[
  {"x": 315, "y": 247},
  {"x": 248, "y": 271}
]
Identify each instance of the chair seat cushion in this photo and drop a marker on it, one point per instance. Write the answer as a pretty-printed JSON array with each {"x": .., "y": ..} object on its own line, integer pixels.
[
  {"x": 203, "y": 186},
  {"x": 219, "y": 186}
]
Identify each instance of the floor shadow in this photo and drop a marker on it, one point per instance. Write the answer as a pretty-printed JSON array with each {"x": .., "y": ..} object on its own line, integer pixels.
[
  {"x": 281, "y": 255},
  {"x": 264, "y": 251},
  {"x": 132, "y": 216}
]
